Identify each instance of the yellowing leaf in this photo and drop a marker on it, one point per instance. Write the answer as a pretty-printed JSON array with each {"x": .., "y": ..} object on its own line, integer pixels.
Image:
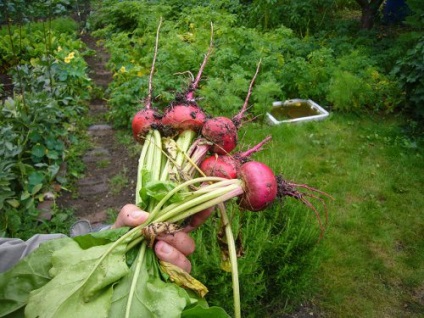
[{"x": 183, "y": 279}]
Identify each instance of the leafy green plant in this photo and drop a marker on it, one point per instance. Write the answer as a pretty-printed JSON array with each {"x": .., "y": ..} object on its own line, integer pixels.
[
  {"x": 38, "y": 125},
  {"x": 302, "y": 16},
  {"x": 409, "y": 70},
  {"x": 34, "y": 137}
]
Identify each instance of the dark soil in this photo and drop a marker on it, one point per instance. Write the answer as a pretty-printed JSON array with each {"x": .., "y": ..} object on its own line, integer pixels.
[{"x": 93, "y": 195}]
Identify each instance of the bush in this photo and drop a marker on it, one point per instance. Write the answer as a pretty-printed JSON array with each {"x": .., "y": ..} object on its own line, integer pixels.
[
  {"x": 409, "y": 71},
  {"x": 33, "y": 135}
]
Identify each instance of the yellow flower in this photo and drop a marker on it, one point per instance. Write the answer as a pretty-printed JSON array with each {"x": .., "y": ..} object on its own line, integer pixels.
[
  {"x": 59, "y": 48},
  {"x": 69, "y": 58},
  {"x": 122, "y": 69}
]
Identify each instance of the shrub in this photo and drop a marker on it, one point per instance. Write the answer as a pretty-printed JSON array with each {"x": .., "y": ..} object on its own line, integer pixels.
[{"x": 409, "y": 71}]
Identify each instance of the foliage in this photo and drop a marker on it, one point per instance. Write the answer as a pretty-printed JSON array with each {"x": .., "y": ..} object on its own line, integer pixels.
[
  {"x": 20, "y": 44},
  {"x": 358, "y": 85},
  {"x": 38, "y": 123},
  {"x": 278, "y": 282},
  {"x": 339, "y": 73},
  {"x": 21, "y": 11},
  {"x": 303, "y": 17},
  {"x": 409, "y": 72},
  {"x": 34, "y": 137}
]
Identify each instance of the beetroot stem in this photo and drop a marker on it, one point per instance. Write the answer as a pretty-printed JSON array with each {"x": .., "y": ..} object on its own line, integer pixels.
[
  {"x": 254, "y": 149},
  {"x": 237, "y": 119},
  {"x": 194, "y": 85},
  {"x": 233, "y": 259},
  {"x": 152, "y": 70}
]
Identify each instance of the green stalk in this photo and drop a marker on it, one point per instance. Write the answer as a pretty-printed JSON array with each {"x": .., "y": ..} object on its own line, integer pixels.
[
  {"x": 218, "y": 195},
  {"x": 182, "y": 144},
  {"x": 178, "y": 188},
  {"x": 150, "y": 153},
  {"x": 233, "y": 259},
  {"x": 176, "y": 216},
  {"x": 150, "y": 160},
  {"x": 140, "y": 259},
  {"x": 155, "y": 164},
  {"x": 157, "y": 155},
  {"x": 195, "y": 194},
  {"x": 141, "y": 162}
]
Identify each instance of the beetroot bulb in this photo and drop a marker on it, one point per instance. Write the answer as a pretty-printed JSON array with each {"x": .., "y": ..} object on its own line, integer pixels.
[
  {"x": 222, "y": 131},
  {"x": 227, "y": 166},
  {"x": 260, "y": 186}
]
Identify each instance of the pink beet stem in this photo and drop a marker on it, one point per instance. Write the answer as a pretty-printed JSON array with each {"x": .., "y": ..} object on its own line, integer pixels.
[
  {"x": 251, "y": 151},
  {"x": 195, "y": 83},
  {"x": 238, "y": 118},
  {"x": 152, "y": 70}
]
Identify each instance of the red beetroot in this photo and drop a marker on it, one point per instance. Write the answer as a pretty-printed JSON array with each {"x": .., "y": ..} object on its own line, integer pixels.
[
  {"x": 260, "y": 186},
  {"x": 184, "y": 117},
  {"x": 185, "y": 114},
  {"x": 222, "y": 132},
  {"x": 223, "y": 166},
  {"x": 143, "y": 121},
  {"x": 227, "y": 166}
]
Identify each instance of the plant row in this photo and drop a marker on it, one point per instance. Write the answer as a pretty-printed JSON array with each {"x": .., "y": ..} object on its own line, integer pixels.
[
  {"x": 39, "y": 131},
  {"x": 336, "y": 73}
]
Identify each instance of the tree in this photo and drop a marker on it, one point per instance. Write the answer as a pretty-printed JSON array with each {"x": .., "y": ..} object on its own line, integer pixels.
[{"x": 369, "y": 12}]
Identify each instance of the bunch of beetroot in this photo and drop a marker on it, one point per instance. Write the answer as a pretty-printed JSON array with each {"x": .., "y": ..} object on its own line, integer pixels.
[
  {"x": 196, "y": 152},
  {"x": 212, "y": 141}
]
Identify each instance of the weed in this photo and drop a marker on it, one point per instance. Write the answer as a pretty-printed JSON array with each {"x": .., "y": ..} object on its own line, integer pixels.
[
  {"x": 119, "y": 181},
  {"x": 103, "y": 163}
]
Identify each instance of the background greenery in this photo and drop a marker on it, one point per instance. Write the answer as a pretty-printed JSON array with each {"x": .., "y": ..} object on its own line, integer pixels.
[{"x": 40, "y": 139}]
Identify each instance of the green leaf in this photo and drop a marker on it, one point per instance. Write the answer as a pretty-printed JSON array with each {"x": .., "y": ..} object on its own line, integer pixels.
[
  {"x": 25, "y": 195},
  {"x": 202, "y": 310},
  {"x": 29, "y": 274},
  {"x": 36, "y": 188},
  {"x": 52, "y": 154},
  {"x": 38, "y": 151},
  {"x": 100, "y": 238},
  {"x": 157, "y": 190},
  {"x": 153, "y": 297},
  {"x": 35, "y": 178},
  {"x": 82, "y": 283},
  {"x": 13, "y": 202}
]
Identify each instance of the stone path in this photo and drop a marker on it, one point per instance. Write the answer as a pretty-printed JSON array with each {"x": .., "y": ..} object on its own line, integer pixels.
[{"x": 105, "y": 160}]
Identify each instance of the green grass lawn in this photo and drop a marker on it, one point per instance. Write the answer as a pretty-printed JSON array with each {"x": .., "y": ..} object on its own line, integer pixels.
[{"x": 373, "y": 250}]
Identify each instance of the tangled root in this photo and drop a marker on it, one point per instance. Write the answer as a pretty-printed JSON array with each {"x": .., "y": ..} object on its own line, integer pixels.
[{"x": 290, "y": 189}]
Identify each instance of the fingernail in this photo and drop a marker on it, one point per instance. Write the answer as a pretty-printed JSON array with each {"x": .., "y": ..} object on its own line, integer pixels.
[
  {"x": 137, "y": 214},
  {"x": 165, "y": 248}
]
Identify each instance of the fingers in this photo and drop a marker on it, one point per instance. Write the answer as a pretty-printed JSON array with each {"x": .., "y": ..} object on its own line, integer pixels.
[
  {"x": 198, "y": 219},
  {"x": 174, "y": 248},
  {"x": 130, "y": 215}
]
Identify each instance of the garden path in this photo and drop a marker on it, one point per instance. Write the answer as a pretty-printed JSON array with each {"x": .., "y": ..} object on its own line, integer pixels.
[{"x": 106, "y": 159}]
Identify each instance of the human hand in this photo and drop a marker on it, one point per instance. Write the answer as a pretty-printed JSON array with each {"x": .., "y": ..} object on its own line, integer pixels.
[{"x": 172, "y": 248}]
